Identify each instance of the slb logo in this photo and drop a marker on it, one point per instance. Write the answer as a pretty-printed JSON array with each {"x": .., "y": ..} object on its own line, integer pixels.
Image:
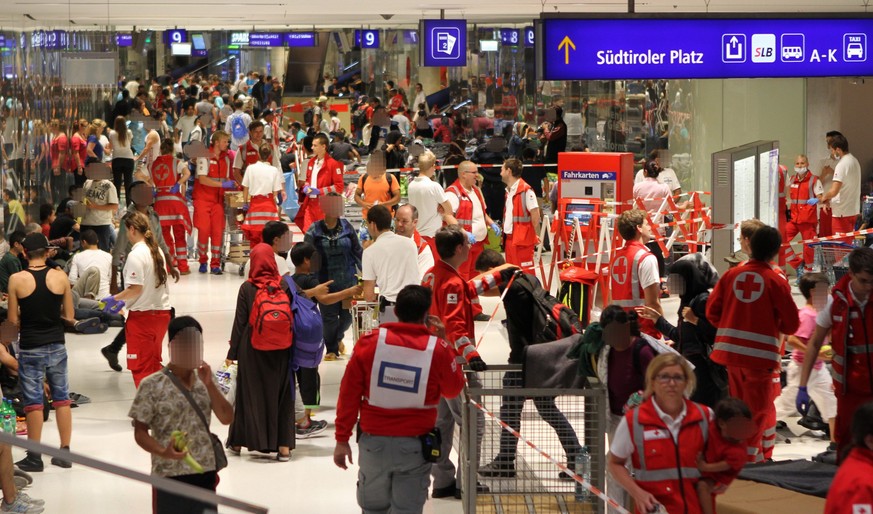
[{"x": 763, "y": 48}]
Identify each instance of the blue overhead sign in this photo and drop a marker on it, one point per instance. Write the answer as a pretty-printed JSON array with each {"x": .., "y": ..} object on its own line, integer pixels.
[
  {"x": 266, "y": 39},
  {"x": 444, "y": 42},
  {"x": 175, "y": 36},
  {"x": 643, "y": 48},
  {"x": 124, "y": 40},
  {"x": 509, "y": 37},
  {"x": 529, "y": 37},
  {"x": 300, "y": 38},
  {"x": 367, "y": 38}
]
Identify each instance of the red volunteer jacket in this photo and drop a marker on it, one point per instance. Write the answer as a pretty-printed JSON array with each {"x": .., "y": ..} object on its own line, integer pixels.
[
  {"x": 219, "y": 168},
  {"x": 464, "y": 214},
  {"x": 522, "y": 226},
  {"x": 799, "y": 192},
  {"x": 446, "y": 380},
  {"x": 250, "y": 154},
  {"x": 850, "y": 335},
  {"x": 453, "y": 300},
  {"x": 170, "y": 207},
  {"x": 662, "y": 467},
  {"x": 329, "y": 180},
  {"x": 624, "y": 281},
  {"x": 751, "y": 305},
  {"x": 852, "y": 489}
]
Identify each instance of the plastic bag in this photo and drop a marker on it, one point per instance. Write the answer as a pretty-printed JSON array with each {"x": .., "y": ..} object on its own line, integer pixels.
[{"x": 225, "y": 379}]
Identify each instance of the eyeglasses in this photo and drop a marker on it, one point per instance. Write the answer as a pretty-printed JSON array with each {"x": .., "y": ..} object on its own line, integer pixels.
[{"x": 663, "y": 379}]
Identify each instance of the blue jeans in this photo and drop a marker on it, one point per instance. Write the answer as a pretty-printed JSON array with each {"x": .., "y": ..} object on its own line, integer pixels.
[
  {"x": 37, "y": 364},
  {"x": 336, "y": 321}
]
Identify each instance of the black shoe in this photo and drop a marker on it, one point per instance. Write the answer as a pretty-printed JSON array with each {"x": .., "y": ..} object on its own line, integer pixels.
[
  {"x": 31, "y": 464},
  {"x": 111, "y": 357},
  {"x": 450, "y": 491},
  {"x": 482, "y": 317},
  {"x": 90, "y": 326},
  {"x": 61, "y": 463},
  {"x": 498, "y": 469}
]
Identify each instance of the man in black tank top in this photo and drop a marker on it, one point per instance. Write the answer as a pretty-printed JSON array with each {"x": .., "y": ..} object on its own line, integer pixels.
[{"x": 40, "y": 302}]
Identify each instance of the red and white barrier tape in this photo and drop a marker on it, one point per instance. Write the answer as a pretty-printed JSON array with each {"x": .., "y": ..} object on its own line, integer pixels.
[{"x": 584, "y": 483}]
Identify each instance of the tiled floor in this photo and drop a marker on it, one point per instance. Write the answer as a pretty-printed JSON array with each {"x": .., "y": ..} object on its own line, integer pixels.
[{"x": 308, "y": 483}]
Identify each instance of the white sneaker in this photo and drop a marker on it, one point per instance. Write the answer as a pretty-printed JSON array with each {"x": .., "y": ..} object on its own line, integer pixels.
[
  {"x": 19, "y": 505},
  {"x": 32, "y": 501}
]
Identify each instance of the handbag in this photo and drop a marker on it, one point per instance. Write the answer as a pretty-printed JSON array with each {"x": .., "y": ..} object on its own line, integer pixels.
[{"x": 217, "y": 447}]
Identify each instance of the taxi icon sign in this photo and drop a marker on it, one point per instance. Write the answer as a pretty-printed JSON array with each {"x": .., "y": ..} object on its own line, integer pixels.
[{"x": 854, "y": 47}]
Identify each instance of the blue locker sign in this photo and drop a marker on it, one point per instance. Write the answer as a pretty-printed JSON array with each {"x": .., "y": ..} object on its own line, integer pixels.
[
  {"x": 641, "y": 48},
  {"x": 444, "y": 42}
]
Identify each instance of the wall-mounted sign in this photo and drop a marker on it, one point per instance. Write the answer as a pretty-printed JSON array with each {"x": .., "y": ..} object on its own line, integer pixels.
[
  {"x": 124, "y": 40},
  {"x": 239, "y": 38},
  {"x": 300, "y": 38},
  {"x": 509, "y": 37},
  {"x": 175, "y": 36},
  {"x": 367, "y": 38},
  {"x": 445, "y": 42},
  {"x": 529, "y": 37},
  {"x": 266, "y": 39},
  {"x": 694, "y": 47}
]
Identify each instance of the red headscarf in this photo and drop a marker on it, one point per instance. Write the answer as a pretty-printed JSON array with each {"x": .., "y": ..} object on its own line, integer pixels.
[{"x": 262, "y": 266}]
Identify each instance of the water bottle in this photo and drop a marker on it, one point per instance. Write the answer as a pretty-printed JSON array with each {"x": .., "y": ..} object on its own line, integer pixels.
[
  {"x": 7, "y": 417},
  {"x": 583, "y": 469}
]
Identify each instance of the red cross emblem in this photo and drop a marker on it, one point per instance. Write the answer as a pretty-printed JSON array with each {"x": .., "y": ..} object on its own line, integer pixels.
[
  {"x": 748, "y": 287},
  {"x": 619, "y": 270},
  {"x": 162, "y": 173}
]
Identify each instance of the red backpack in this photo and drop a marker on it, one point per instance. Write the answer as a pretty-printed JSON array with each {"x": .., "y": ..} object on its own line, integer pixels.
[{"x": 271, "y": 319}]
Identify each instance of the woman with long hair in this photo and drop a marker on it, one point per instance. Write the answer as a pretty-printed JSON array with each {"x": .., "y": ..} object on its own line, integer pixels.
[
  {"x": 146, "y": 297},
  {"x": 263, "y": 412},
  {"x": 95, "y": 148},
  {"x": 122, "y": 156}
]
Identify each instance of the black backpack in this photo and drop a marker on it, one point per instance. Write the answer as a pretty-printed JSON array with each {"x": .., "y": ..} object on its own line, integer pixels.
[
  {"x": 308, "y": 117},
  {"x": 551, "y": 319}
]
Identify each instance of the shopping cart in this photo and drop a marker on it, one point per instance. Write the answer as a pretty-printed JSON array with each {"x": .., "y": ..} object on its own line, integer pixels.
[
  {"x": 365, "y": 317},
  {"x": 832, "y": 259},
  {"x": 235, "y": 248}
]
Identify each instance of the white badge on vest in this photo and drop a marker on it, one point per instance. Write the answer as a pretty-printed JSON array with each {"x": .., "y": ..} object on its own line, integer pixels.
[
  {"x": 654, "y": 435},
  {"x": 399, "y": 376}
]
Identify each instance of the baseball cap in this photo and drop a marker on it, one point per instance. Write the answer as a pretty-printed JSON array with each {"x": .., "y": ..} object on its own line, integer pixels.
[{"x": 36, "y": 241}]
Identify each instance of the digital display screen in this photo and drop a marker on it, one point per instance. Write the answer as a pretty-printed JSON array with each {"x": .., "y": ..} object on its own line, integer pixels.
[
  {"x": 181, "y": 48},
  {"x": 124, "y": 40},
  {"x": 300, "y": 39},
  {"x": 198, "y": 42},
  {"x": 578, "y": 211},
  {"x": 266, "y": 39}
]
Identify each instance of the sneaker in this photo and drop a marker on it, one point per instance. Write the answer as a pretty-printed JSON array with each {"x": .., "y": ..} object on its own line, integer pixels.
[
  {"x": 342, "y": 348},
  {"x": 498, "y": 469},
  {"x": 482, "y": 317},
  {"x": 235, "y": 451},
  {"x": 61, "y": 463},
  {"x": 23, "y": 476},
  {"x": 20, "y": 483},
  {"x": 31, "y": 464},
  {"x": 449, "y": 491},
  {"x": 203, "y": 268},
  {"x": 90, "y": 326},
  {"x": 20, "y": 505},
  {"x": 330, "y": 356},
  {"x": 665, "y": 291},
  {"x": 314, "y": 428},
  {"x": 32, "y": 501},
  {"x": 111, "y": 358},
  {"x": 283, "y": 458},
  {"x": 217, "y": 271}
]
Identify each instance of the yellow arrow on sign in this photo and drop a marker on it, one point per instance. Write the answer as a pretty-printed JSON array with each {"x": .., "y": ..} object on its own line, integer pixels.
[{"x": 566, "y": 45}]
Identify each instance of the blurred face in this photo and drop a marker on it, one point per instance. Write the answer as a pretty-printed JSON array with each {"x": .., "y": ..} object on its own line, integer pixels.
[
  {"x": 142, "y": 195},
  {"x": 403, "y": 222},
  {"x": 670, "y": 382},
  {"x": 186, "y": 349}
]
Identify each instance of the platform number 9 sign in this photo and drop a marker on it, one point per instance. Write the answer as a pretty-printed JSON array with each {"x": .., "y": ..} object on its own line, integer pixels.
[
  {"x": 370, "y": 39},
  {"x": 529, "y": 37}
]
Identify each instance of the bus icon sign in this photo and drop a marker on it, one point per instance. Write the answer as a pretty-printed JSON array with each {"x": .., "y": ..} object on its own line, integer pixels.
[{"x": 792, "y": 48}]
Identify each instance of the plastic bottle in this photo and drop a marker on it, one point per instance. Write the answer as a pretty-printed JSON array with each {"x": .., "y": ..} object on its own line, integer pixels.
[
  {"x": 583, "y": 469},
  {"x": 7, "y": 417}
]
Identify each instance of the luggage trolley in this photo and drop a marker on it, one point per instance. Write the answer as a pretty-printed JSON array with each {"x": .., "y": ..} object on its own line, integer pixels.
[
  {"x": 831, "y": 259},
  {"x": 235, "y": 248},
  {"x": 365, "y": 317}
]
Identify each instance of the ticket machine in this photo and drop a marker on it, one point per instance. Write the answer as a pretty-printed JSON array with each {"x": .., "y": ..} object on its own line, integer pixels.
[{"x": 591, "y": 184}]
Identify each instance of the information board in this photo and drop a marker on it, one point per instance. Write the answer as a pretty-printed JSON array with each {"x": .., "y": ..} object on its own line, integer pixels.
[
  {"x": 266, "y": 39},
  {"x": 693, "y": 47},
  {"x": 300, "y": 39},
  {"x": 444, "y": 42},
  {"x": 124, "y": 40}
]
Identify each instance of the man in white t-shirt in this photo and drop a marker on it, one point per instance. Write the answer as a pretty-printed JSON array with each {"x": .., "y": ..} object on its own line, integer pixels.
[
  {"x": 844, "y": 196},
  {"x": 101, "y": 200},
  {"x": 405, "y": 224},
  {"x": 428, "y": 197},
  {"x": 91, "y": 269},
  {"x": 186, "y": 124},
  {"x": 391, "y": 263}
]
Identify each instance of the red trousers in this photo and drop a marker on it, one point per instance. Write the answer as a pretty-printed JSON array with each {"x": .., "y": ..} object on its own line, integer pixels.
[
  {"x": 521, "y": 256},
  {"x": 768, "y": 439},
  {"x": 145, "y": 331},
  {"x": 843, "y": 225},
  {"x": 755, "y": 387},
  {"x": 177, "y": 241},
  {"x": 847, "y": 404},
  {"x": 806, "y": 231},
  {"x": 209, "y": 221},
  {"x": 255, "y": 236},
  {"x": 825, "y": 227}
]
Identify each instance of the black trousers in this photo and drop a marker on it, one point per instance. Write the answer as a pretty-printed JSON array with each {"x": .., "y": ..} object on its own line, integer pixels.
[{"x": 169, "y": 503}]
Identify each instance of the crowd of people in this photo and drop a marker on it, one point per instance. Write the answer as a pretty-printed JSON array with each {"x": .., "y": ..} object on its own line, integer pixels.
[{"x": 690, "y": 402}]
